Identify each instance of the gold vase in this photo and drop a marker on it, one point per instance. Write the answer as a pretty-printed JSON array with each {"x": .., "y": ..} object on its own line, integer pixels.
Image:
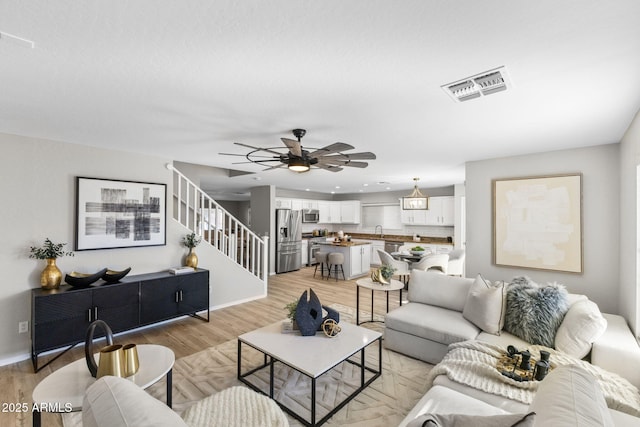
[
  {"x": 111, "y": 361},
  {"x": 51, "y": 276},
  {"x": 131, "y": 362},
  {"x": 192, "y": 259},
  {"x": 376, "y": 276}
]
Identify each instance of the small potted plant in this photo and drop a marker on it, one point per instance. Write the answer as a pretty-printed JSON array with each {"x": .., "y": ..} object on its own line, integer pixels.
[
  {"x": 191, "y": 241},
  {"x": 51, "y": 276},
  {"x": 291, "y": 313}
]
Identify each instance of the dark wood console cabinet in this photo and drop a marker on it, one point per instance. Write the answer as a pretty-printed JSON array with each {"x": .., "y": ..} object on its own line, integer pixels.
[{"x": 60, "y": 317}]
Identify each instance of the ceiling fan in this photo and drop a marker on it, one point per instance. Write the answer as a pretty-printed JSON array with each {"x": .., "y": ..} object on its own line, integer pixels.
[{"x": 297, "y": 159}]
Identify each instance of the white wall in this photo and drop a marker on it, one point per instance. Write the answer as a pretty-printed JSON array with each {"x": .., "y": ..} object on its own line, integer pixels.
[
  {"x": 601, "y": 209},
  {"x": 38, "y": 201},
  {"x": 629, "y": 241}
]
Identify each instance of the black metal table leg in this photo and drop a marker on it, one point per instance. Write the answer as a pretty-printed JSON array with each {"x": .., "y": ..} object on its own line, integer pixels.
[
  {"x": 170, "y": 388},
  {"x": 357, "y": 305}
]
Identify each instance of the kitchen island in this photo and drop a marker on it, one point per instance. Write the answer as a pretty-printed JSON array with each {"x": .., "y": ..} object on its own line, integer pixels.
[{"x": 357, "y": 256}]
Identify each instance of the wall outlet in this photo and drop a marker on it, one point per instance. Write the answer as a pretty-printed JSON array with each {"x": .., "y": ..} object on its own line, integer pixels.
[{"x": 23, "y": 327}]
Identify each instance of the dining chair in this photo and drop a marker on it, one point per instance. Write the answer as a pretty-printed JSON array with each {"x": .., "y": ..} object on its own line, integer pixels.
[
  {"x": 455, "y": 266},
  {"x": 439, "y": 262},
  {"x": 402, "y": 267}
]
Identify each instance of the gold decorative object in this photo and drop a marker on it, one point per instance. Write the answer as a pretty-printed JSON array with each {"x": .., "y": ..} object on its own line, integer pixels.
[
  {"x": 111, "y": 361},
  {"x": 51, "y": 276},
  {"x": 331, "y": 328},
  {"x": 131, "y": 363},
  {"x": 192, "y": 259},
  {"x": 376, "y": 276}
]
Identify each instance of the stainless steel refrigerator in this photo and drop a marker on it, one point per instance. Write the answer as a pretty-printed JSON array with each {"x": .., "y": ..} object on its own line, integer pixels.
[{"x": 288, "y": 240}]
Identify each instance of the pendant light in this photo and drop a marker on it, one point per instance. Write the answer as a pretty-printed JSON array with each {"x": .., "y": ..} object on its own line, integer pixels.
[{"x": 416, "y": 200}]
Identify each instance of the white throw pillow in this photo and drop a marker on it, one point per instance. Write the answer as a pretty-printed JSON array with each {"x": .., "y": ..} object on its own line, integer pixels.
[
  {"x": 485, "y": 305},
  {"x": 581, "y": 326},
  {"x": 429, "y": 287},
  {"x": 570, "y": 396}
]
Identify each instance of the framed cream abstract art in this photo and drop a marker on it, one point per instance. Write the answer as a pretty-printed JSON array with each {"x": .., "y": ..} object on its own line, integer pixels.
[{"x": 537, "y": 222}]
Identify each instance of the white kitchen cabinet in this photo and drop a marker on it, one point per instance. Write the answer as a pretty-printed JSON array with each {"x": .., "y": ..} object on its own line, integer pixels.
[
  {"x": 329, "y": 212},
  {"x": 309, "y": 204},
  {"x": 350, "y": 212},
  {"x": 413, "y": 217},
  {"x": 441, "y": 211},
  {"x": 360, "y": 260},
  {"x": 375, "y": 246},
  {"x": 436, "y": 248},
  {"x": 283, "y": 203},
  {"x": 296, "y": 204}
]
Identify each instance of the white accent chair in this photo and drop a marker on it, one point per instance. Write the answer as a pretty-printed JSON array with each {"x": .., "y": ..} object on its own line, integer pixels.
[
  {"x": 456, "y": 263},
  {"x": 402, "y": 267},
  {"x": 438, "y": 262}
]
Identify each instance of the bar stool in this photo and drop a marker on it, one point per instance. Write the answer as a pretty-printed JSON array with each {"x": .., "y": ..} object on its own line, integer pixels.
[
  {"x": 335, "y": 259},
  {"x": 321, "y": 258}
]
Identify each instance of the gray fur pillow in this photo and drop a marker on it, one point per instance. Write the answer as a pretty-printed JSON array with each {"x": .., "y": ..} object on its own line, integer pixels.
[{"x": 534, "y": 312}]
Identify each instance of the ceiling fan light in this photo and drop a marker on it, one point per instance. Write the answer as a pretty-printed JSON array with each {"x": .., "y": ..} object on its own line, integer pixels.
[{"x": 298, "y": 165}]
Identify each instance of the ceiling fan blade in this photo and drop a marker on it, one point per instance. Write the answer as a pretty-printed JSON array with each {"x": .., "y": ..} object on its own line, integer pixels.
[
  {"x": 346, "y": 163},
  {"x": 244, "y": 155},
  {"x": 328, "y": 167},
  {"x": 336, "y": 147},
  {"x": 274, "y": 167},
  {"x": 354, "y": 156},
  {"x": 293, "y": 146},
  {"x": 268, "y": 150}
]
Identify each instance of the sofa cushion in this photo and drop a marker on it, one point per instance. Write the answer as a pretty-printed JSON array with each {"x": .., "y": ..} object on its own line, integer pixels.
[
  {"x": 485, "y": 305},
  {"x": 430, "y": 322},
  {"x": 438, "y": 289},
  {"x": 118, "y": 402},
  {"x": 570, "y": 396},
  {"x": 581, "y": 326},
  {"x": 534, "y": 312}
]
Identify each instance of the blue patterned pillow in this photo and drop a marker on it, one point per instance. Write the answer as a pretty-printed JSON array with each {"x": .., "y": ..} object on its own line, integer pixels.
[{"x": 534, "y": 312}]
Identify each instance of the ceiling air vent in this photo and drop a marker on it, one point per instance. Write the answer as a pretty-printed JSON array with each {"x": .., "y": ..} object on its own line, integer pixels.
[{"x": 492, "y": 81}]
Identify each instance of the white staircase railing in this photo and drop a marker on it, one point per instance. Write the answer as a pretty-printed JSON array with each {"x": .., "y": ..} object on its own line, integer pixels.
[{"x": 194, "y": 209}]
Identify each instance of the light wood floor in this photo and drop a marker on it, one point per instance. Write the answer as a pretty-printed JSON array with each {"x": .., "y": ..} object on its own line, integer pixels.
[{"x": 189, "y": 335}]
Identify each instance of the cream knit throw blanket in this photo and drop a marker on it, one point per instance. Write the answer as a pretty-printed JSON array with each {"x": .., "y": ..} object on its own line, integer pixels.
[{"x": 472, "y": 363}]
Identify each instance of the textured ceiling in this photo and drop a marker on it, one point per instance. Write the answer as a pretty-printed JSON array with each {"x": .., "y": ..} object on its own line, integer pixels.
[{"x": 186, "y": 79}]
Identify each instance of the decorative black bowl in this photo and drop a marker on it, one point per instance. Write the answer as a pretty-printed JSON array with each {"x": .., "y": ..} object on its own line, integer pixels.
[
  {"x": 82, "y": 280},
  {"x": 112, "y": 276}
]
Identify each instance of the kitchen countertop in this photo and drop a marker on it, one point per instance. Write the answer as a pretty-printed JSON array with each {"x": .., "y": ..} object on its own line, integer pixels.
[
  {"x": 352, "y": 243},
  {"x": 401, "y": 238}
]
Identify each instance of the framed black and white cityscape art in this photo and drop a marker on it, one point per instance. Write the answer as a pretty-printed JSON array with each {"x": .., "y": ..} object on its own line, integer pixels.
[
  {"x": 119, "y": 214},
  {"x": 537, "y": 222}
]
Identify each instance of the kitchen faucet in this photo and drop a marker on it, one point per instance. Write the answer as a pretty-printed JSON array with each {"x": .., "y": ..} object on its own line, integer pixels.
[{"x": 376, "y": 229}]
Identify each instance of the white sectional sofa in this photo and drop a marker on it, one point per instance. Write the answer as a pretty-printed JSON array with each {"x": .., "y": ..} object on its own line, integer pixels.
[{"x": 440, "y": 312}]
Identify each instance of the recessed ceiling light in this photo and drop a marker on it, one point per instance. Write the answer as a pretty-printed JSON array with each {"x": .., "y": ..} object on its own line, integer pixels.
[
  {"x": 306, "y": 189},
  {"x": 361, "y": 190},
  {"x": 333, "y": 192},
  {"x": 365, "y": 185},
  {"x": 388, "y": 188},
  {"x": 383, "y": 183},
  {"x": 337, "y": 187}
]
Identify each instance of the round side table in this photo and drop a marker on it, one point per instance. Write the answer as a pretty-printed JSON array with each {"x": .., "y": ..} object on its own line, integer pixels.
[
  {"x": 367, "y": 283},
  {"x": 63, "y": 390}
]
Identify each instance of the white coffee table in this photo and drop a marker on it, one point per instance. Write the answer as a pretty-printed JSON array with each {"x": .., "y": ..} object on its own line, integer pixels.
[
  {"x": 312, "y": 356},
  {"x": 63, "y": 390},
  {"x": 367, "y": 283}
]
